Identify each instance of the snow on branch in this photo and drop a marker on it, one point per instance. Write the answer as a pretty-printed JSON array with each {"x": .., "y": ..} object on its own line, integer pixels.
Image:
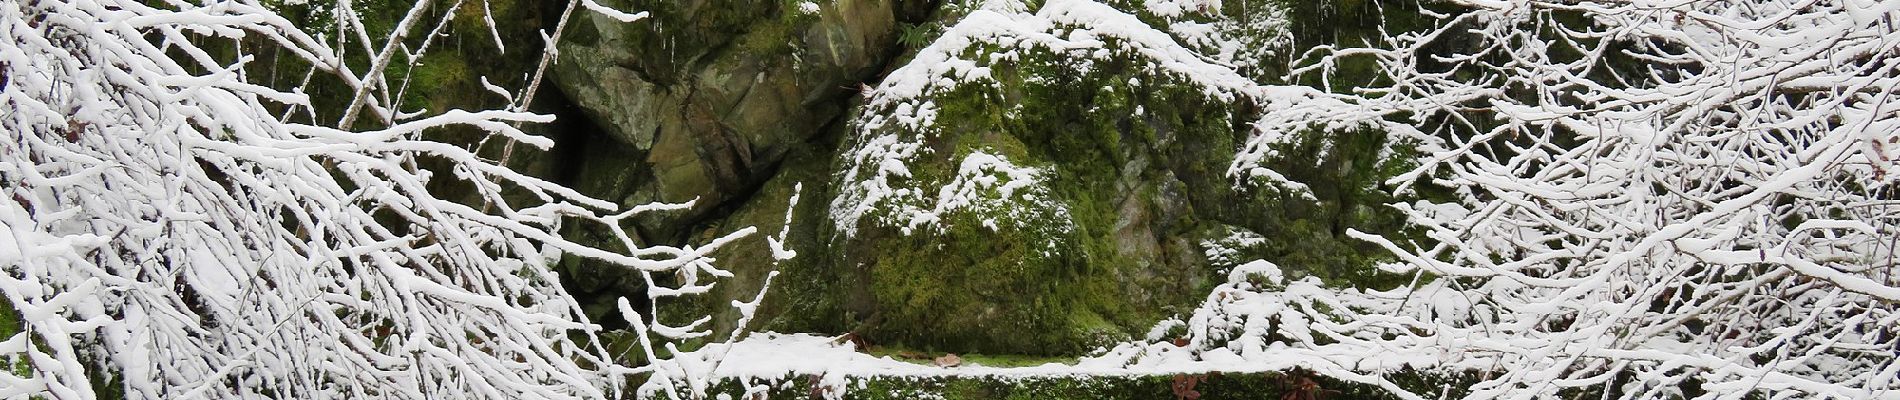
[
  {"x": 166, "y": 232},
  {"x": 1652, "y": 200},
  {"x": 609, "y": 12}
]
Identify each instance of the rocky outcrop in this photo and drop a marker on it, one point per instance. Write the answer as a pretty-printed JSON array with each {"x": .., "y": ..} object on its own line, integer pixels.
[
  {"x": 709, "y": 96},
  {"x": 1034, "y": 179},
  {"x": 704, "y": 100}
]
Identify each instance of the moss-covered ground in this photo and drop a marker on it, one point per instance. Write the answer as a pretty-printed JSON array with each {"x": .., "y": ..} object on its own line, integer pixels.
[{"x": 1210, "y": 386}]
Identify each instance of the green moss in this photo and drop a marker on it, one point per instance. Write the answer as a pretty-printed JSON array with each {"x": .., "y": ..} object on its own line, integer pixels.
[
  {"x": 11, "y": 325},
  {"x": 677, "y": 33},
  {"x": 921, "y": 357},
  {"x": 1350, "y": 24},
  {"x": 1135, "y": 162},
  {"x": 1100, "y": 141},
  {"x": 440, "y": 73},
  {"x": 1212, "y": 386},
  {"x": 981, "y": 280},
  {"x": 1346, "y": 175},
  {"x": 780, "y": 37},
  {"x": 1002, "y": 293}
]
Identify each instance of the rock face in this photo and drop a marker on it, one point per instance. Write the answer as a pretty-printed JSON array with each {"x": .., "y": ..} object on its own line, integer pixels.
[
  {"x": 710, "y": 95},
  {"x": 971, "y": 176},
  {"x": 704, "y": 100}
]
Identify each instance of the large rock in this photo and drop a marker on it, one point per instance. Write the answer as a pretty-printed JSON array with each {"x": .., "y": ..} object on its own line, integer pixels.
[
  {"x": 708, "y": 96},
  {"x": 702, "y": 101},
  {"x": 1007, "y": 194},
  {"x": 1045, "y": 179}
]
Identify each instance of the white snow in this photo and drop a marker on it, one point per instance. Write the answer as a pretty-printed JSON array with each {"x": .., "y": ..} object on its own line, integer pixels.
[
  {"x": 165, "y": 220},
  {"x": 609, "y": 12},
  {"x": 877, "y": 175},
  {"x": 1224, "y": 252},
  {"x": 988, "y": 186},
  {"x": 1721, "y": 217},
  {"x": 1227, "y": 334}
]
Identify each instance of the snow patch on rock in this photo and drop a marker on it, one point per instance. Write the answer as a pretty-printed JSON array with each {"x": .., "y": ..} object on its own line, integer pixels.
[{"x": 999, "y": 193}]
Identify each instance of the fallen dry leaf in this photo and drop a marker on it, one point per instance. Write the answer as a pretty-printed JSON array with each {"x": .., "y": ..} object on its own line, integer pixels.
[{"x": 948, "y": 360}]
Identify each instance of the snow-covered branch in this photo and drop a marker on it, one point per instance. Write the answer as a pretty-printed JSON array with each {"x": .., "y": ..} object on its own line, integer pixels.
[
  {"x": 1652, "y": 199},
  {"x": 168, "y": 235}
]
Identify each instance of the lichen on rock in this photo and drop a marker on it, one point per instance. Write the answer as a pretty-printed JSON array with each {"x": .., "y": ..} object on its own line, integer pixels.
[{"x": 1019, "y": 175}]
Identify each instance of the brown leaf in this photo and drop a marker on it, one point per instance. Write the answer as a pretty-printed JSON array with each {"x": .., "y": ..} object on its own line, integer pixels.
[{"x": 948, "y": 360}]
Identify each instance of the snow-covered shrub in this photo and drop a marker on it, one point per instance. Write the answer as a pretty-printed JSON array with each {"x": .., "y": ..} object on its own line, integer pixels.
[
  {"x": 1673, "y": 198},
  {"x": 1651, "y": 200},
  {"x": 173, "y": 229}
]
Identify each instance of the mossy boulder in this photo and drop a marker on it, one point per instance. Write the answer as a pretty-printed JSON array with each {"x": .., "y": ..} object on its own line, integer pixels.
[
  {"x": 1107, "y": 183},
  {"x": 1084, "y": 233}
]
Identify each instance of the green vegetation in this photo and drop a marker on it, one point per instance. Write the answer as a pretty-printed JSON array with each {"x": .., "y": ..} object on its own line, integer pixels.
[
  {"x": 1213, "y": 386},
  {"x": 920, "y": 357},
  {"x": 10, "y": 326},
  {"x": 1137, "y": 163}
]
